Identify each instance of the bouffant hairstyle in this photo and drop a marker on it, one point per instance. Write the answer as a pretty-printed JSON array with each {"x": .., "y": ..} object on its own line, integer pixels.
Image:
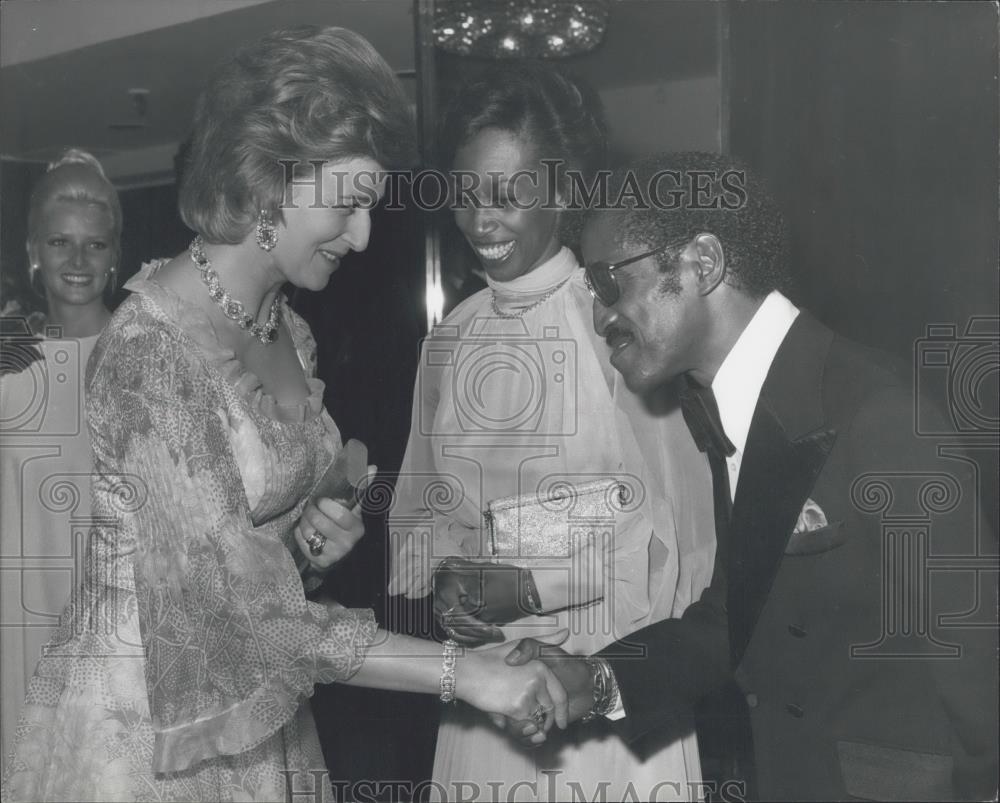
[
  {"x": 75, "y": 176},
  {"x": 677, "y": 196},
  {"x": 561, "y": 118},
  {"x": 303, "y": 95}
]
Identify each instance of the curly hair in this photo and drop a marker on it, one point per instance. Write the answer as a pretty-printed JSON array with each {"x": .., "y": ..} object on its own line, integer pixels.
[
  {"x": 707, "y": 193},
  {"x": 561, "y": 118},
  {"x": 304, "y": 94}
]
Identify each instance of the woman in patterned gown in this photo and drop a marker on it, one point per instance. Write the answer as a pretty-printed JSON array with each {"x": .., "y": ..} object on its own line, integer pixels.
[
  {"x": 516, "y": 397},
  {"x": 182, "y": 671}
]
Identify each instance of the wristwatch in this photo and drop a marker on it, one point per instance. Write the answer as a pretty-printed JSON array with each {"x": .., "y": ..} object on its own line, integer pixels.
[{"x": 605, "y": 689}]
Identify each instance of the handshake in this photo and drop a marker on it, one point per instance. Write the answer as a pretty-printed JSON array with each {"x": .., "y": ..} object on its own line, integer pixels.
[
  {"x": 587, "y": 685},
  {"x": 471, "y": 600}
]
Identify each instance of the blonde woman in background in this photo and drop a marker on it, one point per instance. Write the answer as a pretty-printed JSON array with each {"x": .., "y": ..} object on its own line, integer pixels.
[{"x": 74, "y": 236}]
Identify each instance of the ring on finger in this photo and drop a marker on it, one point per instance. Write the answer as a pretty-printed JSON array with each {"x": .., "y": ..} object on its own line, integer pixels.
[
  {"x": 538, "y": 715},
  {"x": 316, "y": 542}
]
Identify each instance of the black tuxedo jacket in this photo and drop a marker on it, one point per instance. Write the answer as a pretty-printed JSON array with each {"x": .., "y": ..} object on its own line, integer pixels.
[{"x": 866, "y": 649}]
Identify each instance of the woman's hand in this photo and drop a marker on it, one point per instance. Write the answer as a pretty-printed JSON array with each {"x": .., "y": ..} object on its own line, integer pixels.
[
  {"x": 471, "y": 597},
  {"x": 332, "y": 527},
  {"x": 459, "y": 604},
  {"x": 527, "y": 692},
  {"x": 327, "y": 530}
]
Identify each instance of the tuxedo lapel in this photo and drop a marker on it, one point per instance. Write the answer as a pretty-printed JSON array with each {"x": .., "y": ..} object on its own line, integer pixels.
[{"x": 786, "y": 448}]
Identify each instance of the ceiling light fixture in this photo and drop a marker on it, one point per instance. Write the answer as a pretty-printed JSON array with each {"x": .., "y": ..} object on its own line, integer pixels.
[{"x": 508, "y": 29}]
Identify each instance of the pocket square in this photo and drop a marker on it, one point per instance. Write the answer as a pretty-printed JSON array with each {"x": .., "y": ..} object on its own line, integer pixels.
[
  {"x": 811, "y": 518},
  {"x": 813, "y": 533}
]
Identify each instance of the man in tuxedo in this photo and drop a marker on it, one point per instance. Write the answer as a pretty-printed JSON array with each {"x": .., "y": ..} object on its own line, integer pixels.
[{"x": 866, "y": 675}]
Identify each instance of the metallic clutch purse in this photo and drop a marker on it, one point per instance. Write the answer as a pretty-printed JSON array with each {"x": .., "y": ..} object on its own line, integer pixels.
[{"x": 548, "y": 524}]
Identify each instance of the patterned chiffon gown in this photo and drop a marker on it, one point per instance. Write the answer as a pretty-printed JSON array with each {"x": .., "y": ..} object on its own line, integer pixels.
[{"x": 181, "y": 670}]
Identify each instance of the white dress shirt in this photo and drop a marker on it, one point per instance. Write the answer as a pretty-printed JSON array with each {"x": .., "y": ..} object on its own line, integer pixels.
[
  {"x": 738, "y": 382},
  {"x": 741, "y": 376}
]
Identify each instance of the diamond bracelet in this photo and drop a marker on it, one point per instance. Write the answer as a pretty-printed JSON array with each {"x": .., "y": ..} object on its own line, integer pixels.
[{"x": 448, "y": 660}]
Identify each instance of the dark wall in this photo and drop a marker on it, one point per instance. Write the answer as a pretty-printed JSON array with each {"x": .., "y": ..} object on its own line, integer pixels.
[
  {"x": 16, "y": 181},
  {"x": 877, "y": 124},
  {"x": 152, "y": 227}
]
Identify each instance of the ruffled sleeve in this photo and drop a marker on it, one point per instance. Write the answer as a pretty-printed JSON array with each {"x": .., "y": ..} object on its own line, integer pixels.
[{"x": 232, "y": 645}]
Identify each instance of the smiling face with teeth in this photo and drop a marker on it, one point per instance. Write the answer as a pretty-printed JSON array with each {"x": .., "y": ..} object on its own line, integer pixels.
[
  {"x": 508, "y": 239},
  {"x": 660, "y": 325},
  {"x": 74, "y": 249}
]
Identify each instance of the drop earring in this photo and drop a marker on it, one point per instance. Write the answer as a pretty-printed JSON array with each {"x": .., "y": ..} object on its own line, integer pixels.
[
  {"x": 32, "y": 279},
  {"x": 266, "y": 234}
]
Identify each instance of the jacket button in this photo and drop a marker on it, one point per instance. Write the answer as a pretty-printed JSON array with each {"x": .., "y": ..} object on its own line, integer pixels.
[
  {"x": 796, "y": 711},
  {"x": 752, "y": 700},
  {"x": 796, "y": 631}
]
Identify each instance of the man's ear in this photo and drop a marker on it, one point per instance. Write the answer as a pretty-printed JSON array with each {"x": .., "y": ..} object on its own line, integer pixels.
[{"x": 711, "y": 262}]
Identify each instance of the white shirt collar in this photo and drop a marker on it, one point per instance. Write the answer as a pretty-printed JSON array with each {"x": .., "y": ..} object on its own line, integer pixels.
[{"x": 738, "y": 382}]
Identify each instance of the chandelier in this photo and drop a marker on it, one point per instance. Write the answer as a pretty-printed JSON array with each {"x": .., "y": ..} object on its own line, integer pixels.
[{"x": 510, "y": 29}]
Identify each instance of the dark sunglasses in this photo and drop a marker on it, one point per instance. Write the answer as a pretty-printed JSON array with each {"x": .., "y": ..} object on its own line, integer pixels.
[{"x": 600, "y": 276}]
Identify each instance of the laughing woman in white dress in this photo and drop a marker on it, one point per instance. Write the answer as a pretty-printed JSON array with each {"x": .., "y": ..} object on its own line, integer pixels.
[{"x": 516, "y": 396}]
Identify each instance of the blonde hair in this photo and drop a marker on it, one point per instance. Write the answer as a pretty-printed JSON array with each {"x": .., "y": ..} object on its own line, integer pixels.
[{"x": 75, "y": 176}]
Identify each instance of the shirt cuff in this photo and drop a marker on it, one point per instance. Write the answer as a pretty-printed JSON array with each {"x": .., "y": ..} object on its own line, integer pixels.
[{"x": 618, "y": 713}]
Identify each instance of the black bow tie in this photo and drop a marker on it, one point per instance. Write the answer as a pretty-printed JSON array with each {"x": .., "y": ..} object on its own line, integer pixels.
[{"x": 701, "y": 414}]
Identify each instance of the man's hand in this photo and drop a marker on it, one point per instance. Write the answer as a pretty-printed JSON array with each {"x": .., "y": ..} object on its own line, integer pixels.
[
  {"x": 470, "y": 597},
  {"x": 573, "y": 673}
]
